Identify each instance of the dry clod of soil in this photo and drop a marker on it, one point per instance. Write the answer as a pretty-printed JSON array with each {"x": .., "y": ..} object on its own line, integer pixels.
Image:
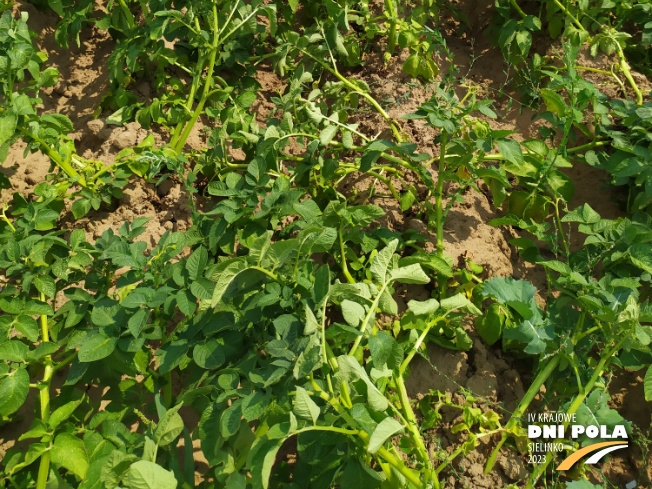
[{"x": 513, "y": 467}]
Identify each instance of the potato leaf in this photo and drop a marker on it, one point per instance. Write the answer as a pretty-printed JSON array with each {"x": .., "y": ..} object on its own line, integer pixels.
[{"x": 386, "y": 428}]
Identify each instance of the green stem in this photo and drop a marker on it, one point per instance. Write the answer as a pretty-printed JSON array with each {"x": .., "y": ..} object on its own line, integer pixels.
[
  {"x": 587, "y": 146},
  {"x": 531, "y": 393},
  {"x": 460, "y": 449},
  {"x": 55, "y": 157},
  {"x": 200, "y": 105},
  {"x": 393, "y": 22},
  {"x": 370, "y": 314},
  {"x": 518, "y": 8},
  {"x": 357, "y": 90},
  {"x": 415, "y": 434},
  {"x": 416, "y": 347},
  {"x": 345, "y": 268},
  {"x": 6, "y": 219},
  {"x": 65, "y": 361},
  {"x": 561, "y": 229},
  {"x": 570, "y": 15},
  {"x": 624, "y": 66},
  {"x": 268, "y": 273},
  {"x": 585, "y": 333},
  {"x": 388, "y": 183},
  {"x": 44, "y": 395},
  {"x": 439, "y": 214},
  {"x": 334, "y": 429}
]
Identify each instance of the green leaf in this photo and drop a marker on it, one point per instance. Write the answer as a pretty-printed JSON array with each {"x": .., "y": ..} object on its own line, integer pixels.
[
  {"x": 97, "y": 347},
  {"x": 351, "y": 370},
  {"x": 490, "y": 324},
  {"x": 532, "y": 332},
  {"x": 582, "y": 484},
  {"x": 260, "y": 461},
  {"x": 411, "y": 65},
  {"x": 385, "y": 350},
  {"x": 407, "y": 199},
  {"x": 387, "y": 304},
  {"x": 28, "y": 326},
  {"x": 13, "y": 351},
  {"x": 68, "y": 452},
  {"x": 236, "y": 481},
  {"x": 254, "y": 405},
  {"x": 459, "y": 302},
  {"x": 304, "y": 406},
  {"x": 224, "y": 274},
  {"x": 114, "y": 468},
  {"x": 169, "y": 428},
  {"x": 186, "y": 302},
  {"x": 353, "y": 312},
  {"x": 647, "y": 384},
  {"x": 246, "y": 99},
  {"x": 137, "y": 322},
  {"x": 107, "y": 312},
  {"x": 385, "y": 429},
  {"x": 294, "y": 4},
  {"x": 63, "y": 413},
  {"x": 511, "y": 151},
  {"x": 424, "y": 308},
  {"x": 230, "y": 419},
  {"x": 357, "y": 476},
  {"x": 81, "y": 207},
  {"x": 595, "y": 410},
  {"x": 7, "y": 127},
  {"x": 518, "y": 294},
  {"x": 13, "y": 391},
  {"x": 196, "y": 263},
  {"x": 381, "y": 261},
  {"x": 347, "y": 140},
  {"x": 147, "y": 475},
  {"x": 327, "y": 134},
  {"x": 209, "y": 355},
  {"x": 45, "y": 285},
  {"x": 641, "y": 256},
  {"x": 584, "y": 214},
  {"x": 554, "y": 102},
  {"x": 411, "y": 274}
]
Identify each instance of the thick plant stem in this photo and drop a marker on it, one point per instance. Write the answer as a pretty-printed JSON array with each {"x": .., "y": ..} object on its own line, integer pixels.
[
  {"x": 415, "y": 434},
  {"x": 518, "y": 8},
  {"x": 44, "y": 395},
  {"x": 561, "y": 229},
  {"x": 624, "y": 66},
  {"x": 345, "y": 268},
  {"x": 523, "y": 405},
  {"x": 393, "y": 20},
  {"x": 200, "y": 105},
  {"x": 417, "y": 345},
  {"x": 439, "y": 212}
]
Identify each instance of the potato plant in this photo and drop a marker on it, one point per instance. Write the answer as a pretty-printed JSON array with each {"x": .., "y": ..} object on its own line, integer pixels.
[{"x": 275, "y": 320}]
